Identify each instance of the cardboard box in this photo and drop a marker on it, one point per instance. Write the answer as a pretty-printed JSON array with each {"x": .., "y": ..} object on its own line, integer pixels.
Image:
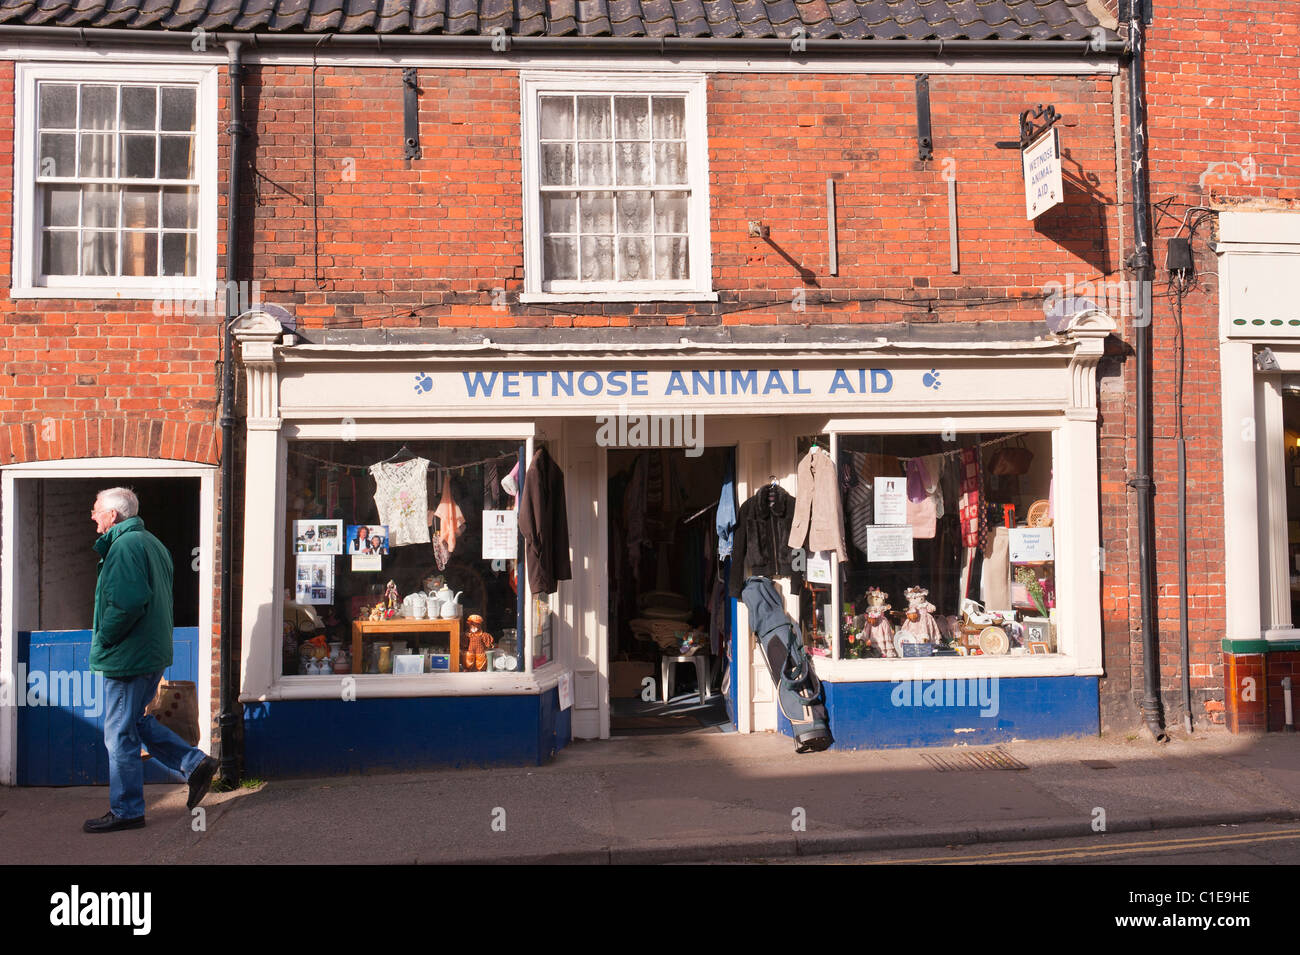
[{"x": 626, "y": 676}]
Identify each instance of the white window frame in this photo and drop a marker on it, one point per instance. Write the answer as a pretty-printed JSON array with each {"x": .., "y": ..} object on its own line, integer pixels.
[
  {"x": 700, "y": 285},
  {"x": 27, "y": 281}
]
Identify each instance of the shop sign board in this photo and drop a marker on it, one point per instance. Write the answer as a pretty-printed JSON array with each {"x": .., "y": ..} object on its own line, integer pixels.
[
  {"x": 1042, "y": 167},
  {"x": 480, "y": 385}
]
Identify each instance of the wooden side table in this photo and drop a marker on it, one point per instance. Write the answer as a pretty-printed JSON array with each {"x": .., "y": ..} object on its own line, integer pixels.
[{"x": 384, "y": 629}]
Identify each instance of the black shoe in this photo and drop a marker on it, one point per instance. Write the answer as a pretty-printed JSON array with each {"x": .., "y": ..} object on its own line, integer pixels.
[
  {"x": 201, "y": 781},
  {"x": 111, "y": 823}
]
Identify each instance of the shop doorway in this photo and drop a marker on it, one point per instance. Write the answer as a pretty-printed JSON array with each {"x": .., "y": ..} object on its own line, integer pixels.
[
  {"x": 669, "y": 613},
  {"x": 54, "y": 736}
]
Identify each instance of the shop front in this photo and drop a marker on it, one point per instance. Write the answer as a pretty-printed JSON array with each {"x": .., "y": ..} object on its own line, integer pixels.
[
  {"x": 405, "y": 603},
  {"x": 1259, "y": 350}
]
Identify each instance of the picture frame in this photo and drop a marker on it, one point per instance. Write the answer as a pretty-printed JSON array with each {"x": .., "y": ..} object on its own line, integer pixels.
[
  {"x": 1039, "y": 646},
  {"x": 373, "y": 542},
  {"x": 1037, "y": 630},
  {"x": 318, "y": 536}
]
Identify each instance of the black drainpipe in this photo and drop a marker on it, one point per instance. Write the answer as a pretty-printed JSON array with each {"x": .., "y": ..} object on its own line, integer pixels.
[
  {"x": 1141, "y": 263},
  {"x": 230, "y": 720}
]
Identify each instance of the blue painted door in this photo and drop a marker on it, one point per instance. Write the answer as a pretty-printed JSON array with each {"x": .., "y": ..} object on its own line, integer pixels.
[{"x": 61, "y": 738}]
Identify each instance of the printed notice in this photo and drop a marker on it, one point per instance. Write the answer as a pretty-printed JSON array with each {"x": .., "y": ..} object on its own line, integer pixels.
[
  {"x": 1030, "y": 545},
  {"x": 891, "y": 501},
  {"x": 819, "y": 568},
  {"x": 500, "y": 535},
  {"x": 367, "y": 562},
  {"x": 565, "y": 687},
  {"x": 889, "y": 543}
]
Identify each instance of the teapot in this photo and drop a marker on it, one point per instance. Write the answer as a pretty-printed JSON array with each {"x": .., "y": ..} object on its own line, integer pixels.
[{"x": 450, "y": 603}]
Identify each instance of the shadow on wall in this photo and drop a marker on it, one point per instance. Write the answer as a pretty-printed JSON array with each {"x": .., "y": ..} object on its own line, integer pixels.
[{"x": 1078, "y": 224}]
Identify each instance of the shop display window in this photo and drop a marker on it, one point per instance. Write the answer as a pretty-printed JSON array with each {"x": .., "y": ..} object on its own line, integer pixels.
[
  {"x": 403, "y": 558},
  {"x": 950, "y": 547}
]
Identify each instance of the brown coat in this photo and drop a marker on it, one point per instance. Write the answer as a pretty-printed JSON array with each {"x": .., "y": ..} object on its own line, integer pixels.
[{"x": 817, "y": 515}]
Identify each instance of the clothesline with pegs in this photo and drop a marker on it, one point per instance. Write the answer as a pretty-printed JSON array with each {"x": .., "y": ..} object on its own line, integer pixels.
[
  {"x": 981, "y": 446},
  {"x": 433, "y": 465}
]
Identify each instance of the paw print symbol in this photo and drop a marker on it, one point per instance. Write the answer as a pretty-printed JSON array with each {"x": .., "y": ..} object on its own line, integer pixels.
[
  {"x": 423, "y": 384},
  {"x": 931, "y": 379}
]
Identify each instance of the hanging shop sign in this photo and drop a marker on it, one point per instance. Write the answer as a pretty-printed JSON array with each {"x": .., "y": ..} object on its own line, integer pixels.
[{"x": 1042, "y": 165}]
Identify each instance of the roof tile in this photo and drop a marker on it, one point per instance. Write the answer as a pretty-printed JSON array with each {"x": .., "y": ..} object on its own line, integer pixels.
[{"x": 857, "y": 19}]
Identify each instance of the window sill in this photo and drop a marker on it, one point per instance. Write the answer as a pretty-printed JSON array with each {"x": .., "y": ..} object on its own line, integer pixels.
[
  {"x": 386, "y": 686},
  {"x": 171, "y": 295},
  {"x": 527, "y": 298},
  {"x": 929, "y": 668}
]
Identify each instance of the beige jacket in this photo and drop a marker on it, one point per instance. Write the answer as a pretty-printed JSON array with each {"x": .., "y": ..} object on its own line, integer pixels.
[{"x": 817, "y": 514}]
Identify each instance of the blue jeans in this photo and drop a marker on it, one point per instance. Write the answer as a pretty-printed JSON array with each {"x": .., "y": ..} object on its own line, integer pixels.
[{"x": 125, "y": 728}]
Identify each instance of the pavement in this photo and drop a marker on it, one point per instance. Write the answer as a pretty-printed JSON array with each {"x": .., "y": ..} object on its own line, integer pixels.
[{"x": 699, "y": 796}]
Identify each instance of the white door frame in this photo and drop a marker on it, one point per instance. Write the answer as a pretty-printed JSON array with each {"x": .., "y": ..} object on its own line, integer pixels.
[{"x": 108, "y": 469}]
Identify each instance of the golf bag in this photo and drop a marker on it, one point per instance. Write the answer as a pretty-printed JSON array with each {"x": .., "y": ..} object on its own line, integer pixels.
[{"x": 799, "y": 692}]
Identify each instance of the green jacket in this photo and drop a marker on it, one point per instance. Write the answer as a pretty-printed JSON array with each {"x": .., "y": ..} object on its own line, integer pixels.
[{"x": 133, "y": 602}]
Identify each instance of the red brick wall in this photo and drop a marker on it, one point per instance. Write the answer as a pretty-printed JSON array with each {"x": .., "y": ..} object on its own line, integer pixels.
[
  {"x": 1224, "y": 105},
  {"x": 425, "y": 242}
]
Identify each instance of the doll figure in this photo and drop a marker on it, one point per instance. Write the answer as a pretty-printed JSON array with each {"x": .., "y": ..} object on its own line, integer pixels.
[
  {"x": 920, "y": 625},
  {"x": 391, "y": 601},
  {"x": 880, "y": 632},
  {"x": 477, "y": 645}
]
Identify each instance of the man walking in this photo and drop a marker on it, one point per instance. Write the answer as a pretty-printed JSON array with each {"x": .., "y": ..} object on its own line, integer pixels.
[{"x": 132, "y": 646}]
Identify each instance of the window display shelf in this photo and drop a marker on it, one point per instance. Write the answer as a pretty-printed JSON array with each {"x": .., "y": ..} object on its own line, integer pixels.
[{"x": 381, "y": 629}]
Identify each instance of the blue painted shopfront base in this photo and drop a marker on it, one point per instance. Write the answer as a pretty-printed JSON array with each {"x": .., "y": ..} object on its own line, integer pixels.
[
  {"x": 61, "y": 711},
  {"x": 332, "y": 737},
  {"x": 928, "y": 712}
]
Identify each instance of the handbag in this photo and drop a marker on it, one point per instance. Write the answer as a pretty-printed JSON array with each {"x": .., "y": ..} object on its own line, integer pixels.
[
  {"x": 176, "y": 706},
  {"x": 1011, "y": 462}
]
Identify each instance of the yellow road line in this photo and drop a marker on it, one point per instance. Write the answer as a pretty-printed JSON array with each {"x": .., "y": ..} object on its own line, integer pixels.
[{"x": 1115, "y": 849}]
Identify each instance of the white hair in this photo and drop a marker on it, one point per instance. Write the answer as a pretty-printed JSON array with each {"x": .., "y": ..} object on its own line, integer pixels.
[{"x": 120, "y": 499}]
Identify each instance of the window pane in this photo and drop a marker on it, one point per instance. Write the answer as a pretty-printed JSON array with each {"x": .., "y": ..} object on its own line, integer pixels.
[
  {"x": 633, "y": 164},
  {"x": 61, "y": 205},
  {"x": 178, "y": 108},
  {"x": 634, "y": 212},
  {"x": 595, "y": 164},
  {"x": 58, "y": 154},
  {"x": 140, "y": 209},
  {"x": 597, "y": 212},
  {"x": 631, "y": 117},
  {"x": 670, "y": 164},
  {"x": 633, "y": 259},
  {"x": 671, "y": 260},
  {"x": 98, "y": 107},
  {"x": 97, "y": 156},
  {"x": 99, "y": 253},
  {"x": 180, "y": 253},
  {"x": 139, "y": 107},
  {"x": 671, "y": 211},
  {"x": 177, "y": 157},
  {"x": 559, "y": 212},
  {"x": 139, "y": 157},
  {"x": 557, "y": 164},
  {"x": 669, "y": 117},
  {"x": 59, "y": 253},
  {"x": 597, "y": 258},
  {"x": 561, "y": 258},
  {"x": 557, "y": 117},
  {"x": 593, "y": 117},
  {"x": 58, "y": 109},
  {"x": 180, "y": 209},
  {"x": 140, "y": 253},
  {"x": 99, "y": 207}
]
